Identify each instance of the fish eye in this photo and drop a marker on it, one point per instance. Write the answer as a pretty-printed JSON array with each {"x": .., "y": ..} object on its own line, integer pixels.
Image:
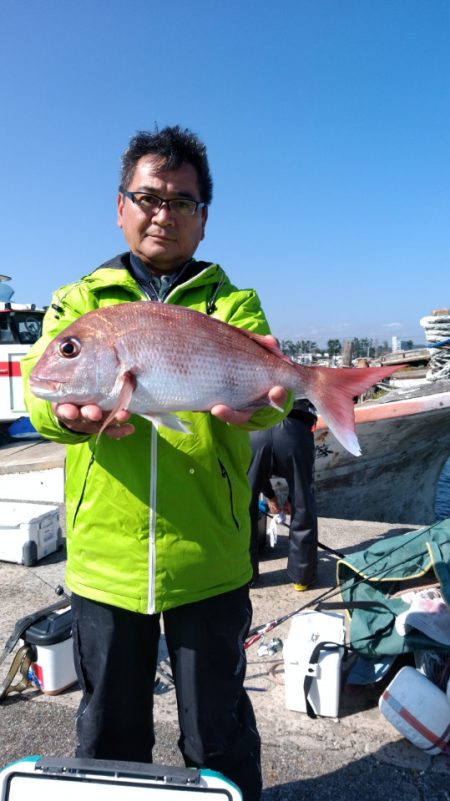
[{"x": 69, "y": 347}]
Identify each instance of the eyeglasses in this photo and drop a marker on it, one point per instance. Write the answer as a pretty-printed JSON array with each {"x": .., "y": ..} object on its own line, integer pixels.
[{"x": 151, "y": 204}]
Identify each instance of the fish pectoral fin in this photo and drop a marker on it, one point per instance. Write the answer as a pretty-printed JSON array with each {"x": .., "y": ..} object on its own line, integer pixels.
[
  {"x": 123, "y": 399},
  {"x": 168, "y": 421}
]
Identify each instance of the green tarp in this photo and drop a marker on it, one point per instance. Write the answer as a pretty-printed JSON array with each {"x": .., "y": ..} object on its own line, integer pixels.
[{"x": 385, "y": 568}]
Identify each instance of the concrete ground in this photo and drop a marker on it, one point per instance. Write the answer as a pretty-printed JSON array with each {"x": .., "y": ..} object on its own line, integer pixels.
[{"x": 356, "y": 755}]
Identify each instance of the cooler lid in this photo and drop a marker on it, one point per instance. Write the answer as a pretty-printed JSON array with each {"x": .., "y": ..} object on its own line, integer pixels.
[
  {"x": 110, "y": 781},
  {"x": 53, "y": 628}
]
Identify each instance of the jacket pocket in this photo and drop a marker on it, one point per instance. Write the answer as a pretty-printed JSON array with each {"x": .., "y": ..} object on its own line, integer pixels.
[
  {"x": 226, "y": 478},
  {"x": 83, "y": 489}
]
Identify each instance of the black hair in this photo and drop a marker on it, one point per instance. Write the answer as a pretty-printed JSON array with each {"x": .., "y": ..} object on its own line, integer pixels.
[{"x": 174, "y": 147}]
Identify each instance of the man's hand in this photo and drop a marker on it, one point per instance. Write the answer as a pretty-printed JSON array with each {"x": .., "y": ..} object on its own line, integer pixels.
[
  {"x": 89, "y": 420},
  {"x": 274, "y": 509},
  {"x": 277, "y": 395}
]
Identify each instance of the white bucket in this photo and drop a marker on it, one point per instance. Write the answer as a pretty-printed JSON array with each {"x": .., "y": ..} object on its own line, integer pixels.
[
  {"x": 53, "y": 665},
  {"x": 419, "y": 710}
]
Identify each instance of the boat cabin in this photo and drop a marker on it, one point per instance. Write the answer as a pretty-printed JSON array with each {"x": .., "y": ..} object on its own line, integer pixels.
[{"x": 20, "y": 327}]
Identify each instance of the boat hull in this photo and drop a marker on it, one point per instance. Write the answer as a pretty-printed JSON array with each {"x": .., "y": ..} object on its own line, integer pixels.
[{"x": 405, "y": 443}]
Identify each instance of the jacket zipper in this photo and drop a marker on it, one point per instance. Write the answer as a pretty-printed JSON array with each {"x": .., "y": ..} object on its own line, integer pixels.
[
  {"x": 153, "y": 483},
  {"x": 152, "y": 522}
]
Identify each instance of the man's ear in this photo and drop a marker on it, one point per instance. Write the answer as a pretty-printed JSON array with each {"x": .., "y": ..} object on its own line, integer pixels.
[
  {"x": 120, "y": 199},
  {"x": 204, "y": 220}
]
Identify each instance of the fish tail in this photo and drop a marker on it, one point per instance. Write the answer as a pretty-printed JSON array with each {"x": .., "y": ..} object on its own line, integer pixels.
[{"x": 333, "y": 390}]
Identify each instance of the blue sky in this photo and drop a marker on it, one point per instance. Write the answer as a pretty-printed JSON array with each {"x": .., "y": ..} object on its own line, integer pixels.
[{"x": 328, "y": 130}]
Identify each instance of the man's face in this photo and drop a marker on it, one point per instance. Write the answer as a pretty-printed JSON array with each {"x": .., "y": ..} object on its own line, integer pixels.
[{"x": 164, "y": 240}]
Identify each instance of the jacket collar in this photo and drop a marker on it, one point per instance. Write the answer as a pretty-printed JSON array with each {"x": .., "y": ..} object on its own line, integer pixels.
[{"x": 118, "y": 271}]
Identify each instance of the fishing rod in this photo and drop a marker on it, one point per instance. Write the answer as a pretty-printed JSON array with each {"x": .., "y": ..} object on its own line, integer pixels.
[
  {"x": 58, "y": 590},
  {"x": 257, "y": 633},
  {"x": 24, "y": 623}
]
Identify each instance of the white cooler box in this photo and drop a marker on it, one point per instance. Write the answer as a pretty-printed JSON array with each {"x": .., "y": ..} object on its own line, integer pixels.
[
  {"x": 28, "y": 532},
  {"x": 307, "y": 630},
  {"x": 50, "y": 779}
]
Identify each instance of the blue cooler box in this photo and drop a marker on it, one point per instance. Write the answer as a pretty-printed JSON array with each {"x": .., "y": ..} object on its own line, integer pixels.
[{"x": 53, "y": 778}]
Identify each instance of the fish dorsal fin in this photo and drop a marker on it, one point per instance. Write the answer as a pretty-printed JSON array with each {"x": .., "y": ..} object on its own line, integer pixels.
[{"x": 261, "y": 340}]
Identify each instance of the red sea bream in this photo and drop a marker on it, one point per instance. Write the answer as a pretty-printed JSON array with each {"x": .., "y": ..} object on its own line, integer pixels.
[{"x": 155, "y": 359}]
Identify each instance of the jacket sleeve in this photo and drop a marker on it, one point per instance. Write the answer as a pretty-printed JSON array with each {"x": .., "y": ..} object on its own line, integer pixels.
[
  {"x": 66, "y": 307},
  {"x": 249, "y": 314}
]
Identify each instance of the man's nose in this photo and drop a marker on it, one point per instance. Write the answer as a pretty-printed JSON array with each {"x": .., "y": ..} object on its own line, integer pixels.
[{"x": 164, "y": 215}]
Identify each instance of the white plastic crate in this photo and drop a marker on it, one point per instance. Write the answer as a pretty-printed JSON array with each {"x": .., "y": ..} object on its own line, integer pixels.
[{"x": 28, "y": 532}]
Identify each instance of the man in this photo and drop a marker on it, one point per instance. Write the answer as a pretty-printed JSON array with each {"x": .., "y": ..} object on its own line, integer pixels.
[
  {"x": 157, "y": 520},
  {"x": 287, "y": 450}
]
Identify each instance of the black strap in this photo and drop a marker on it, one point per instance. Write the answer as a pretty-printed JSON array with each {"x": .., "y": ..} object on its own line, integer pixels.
[
  {"x": 310, "y": 671},
  {"x": 363, "y": 605},
  {"x": 330, "y": 646}
]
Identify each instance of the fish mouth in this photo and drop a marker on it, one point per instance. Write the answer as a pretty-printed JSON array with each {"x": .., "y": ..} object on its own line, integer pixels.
[{"x": 44, "y": 387}]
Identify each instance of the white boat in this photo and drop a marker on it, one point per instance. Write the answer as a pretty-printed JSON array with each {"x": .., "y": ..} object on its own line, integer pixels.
[
  {"x": 20, "y": 326},
  {"x": 405, "y": 441},
  {"x": 408, "y": 379},
  {"x": 414, "y": 366}
]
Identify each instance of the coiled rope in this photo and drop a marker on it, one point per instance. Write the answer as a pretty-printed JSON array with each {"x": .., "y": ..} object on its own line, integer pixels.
[{"x": 437, "y": 333}]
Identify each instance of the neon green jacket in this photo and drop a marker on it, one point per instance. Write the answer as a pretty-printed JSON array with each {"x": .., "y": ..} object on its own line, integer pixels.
[{"x": 159, "y": 518}]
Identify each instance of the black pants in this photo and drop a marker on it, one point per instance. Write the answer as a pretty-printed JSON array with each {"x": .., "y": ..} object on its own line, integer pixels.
[
  {"x": 116, "y": 659},
  {"x": 287, "y": 450}
]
